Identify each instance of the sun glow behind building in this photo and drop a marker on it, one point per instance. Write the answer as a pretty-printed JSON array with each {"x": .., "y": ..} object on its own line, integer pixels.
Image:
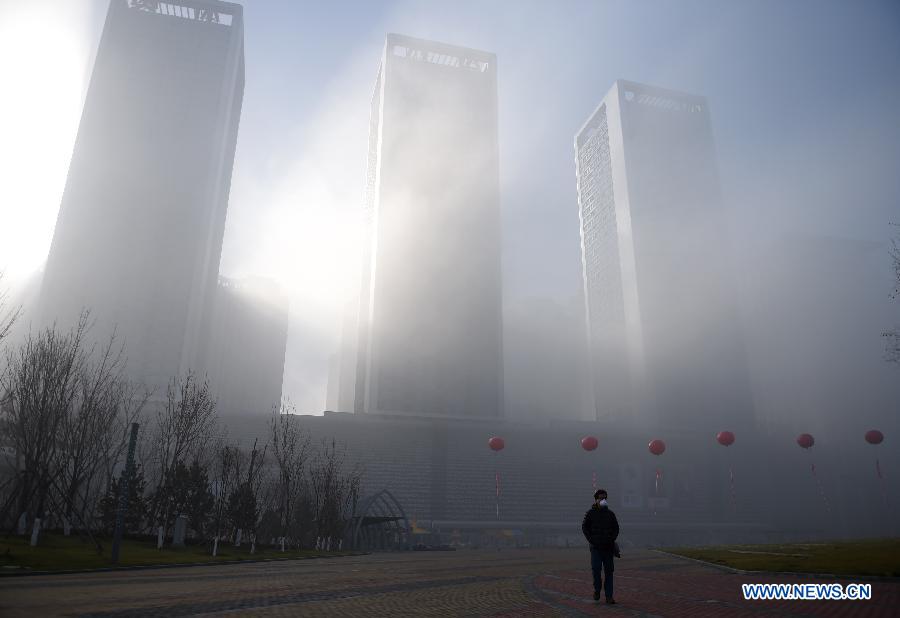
[{"x": 43, "y": 59}]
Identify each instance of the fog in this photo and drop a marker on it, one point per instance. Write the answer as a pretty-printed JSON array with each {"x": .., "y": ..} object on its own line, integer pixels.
[{"x": 802, "y": 99}]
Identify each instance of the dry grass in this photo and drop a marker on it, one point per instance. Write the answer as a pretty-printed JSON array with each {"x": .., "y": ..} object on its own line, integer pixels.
[{"x": 878, "y": 557}]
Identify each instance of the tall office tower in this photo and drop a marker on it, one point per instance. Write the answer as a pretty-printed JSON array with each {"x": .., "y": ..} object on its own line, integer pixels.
[
  {"x": 661, "y": 310},
  {"x": 430, "y": 323},
  {"x": 247, "y": 347},
  {"x": 139, "y": 232}
]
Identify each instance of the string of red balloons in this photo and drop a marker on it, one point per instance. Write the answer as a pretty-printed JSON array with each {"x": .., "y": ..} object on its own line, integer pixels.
[{"x": 726, "y": 438}]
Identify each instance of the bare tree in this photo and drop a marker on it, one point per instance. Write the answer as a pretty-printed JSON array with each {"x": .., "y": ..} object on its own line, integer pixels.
[
  {"x": 290, "y": 450},
  {"x": 93, "y": 434},
  {"x": 183, "y": 426},
  {"x": 237, "y": 483},
  {"x": 244, "y": 501},
  {"x": 39, "y": 388},
  {"x": 65, "y": 412},
  {"x": 333, "y": 490},
  {"x": 228, "y": 463}
]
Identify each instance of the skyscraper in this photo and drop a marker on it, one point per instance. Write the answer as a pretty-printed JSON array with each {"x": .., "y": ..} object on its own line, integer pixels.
[
  {"x": 661, "y": 310},
  {"x": 429, "y": 318},
  {"x": 139, "y": 232},
  {"x": 249, "y": 338}
]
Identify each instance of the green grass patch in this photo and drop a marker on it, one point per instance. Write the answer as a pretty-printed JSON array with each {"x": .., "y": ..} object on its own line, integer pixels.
[
  {"x": 56, "y": 552},
  {"x": 877, "y": 557}
]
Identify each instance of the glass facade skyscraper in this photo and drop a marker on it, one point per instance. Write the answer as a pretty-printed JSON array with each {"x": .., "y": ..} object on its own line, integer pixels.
[{"x": 663, "y": 324}]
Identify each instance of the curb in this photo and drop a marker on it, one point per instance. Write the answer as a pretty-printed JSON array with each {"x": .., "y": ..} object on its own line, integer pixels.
[
  {"x": 147, "y": 567},
  {"x": 722, "y": 567}
]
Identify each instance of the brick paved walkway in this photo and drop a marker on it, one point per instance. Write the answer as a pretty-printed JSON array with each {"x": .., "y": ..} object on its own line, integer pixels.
[
  {"x": 654, "y": 584},
  {"x": 464, "y": 583}
]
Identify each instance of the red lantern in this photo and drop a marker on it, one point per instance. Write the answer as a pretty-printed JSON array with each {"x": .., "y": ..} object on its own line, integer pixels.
[
  {"x": 657, "y": 447},
  {"x": 725, "y": 438},
  {"x": 496, "y": 443},
  {"x": 873, "y": 436},
  {"x": 589, "y": 443},
  {"x": 805, "y": 440}
]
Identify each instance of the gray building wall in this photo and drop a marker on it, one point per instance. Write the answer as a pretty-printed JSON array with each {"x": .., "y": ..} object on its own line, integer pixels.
[
  {"x": 139, "y": 232},
  {"x": 430, "y": 307},
  {"x": 662, "y": 307},
  {"x": 443, "y": 474}
]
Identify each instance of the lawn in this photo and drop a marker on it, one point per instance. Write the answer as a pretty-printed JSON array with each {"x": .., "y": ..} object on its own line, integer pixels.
[
  {"x": 60, "y": 553},
  {"x": 879, "y": 557}
]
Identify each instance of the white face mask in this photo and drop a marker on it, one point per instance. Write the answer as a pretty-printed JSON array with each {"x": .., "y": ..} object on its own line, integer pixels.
[{"x": 603, "y": 502}]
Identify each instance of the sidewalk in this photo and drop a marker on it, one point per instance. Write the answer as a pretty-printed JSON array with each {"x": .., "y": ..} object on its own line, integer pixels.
[{"x": 653, "y": 584}]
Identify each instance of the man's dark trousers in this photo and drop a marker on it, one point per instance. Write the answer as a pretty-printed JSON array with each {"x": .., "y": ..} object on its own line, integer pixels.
[{"x": 602, "y": 559}]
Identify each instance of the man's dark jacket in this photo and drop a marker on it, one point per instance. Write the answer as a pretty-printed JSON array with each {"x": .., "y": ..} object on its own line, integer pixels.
[{"x": 600, "y": 528}]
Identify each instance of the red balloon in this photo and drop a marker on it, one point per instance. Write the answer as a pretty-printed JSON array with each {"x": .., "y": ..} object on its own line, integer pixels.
[
  {"x": 805, "y": 440},
  {"x": 725, "y": 438},
  {"x": 589, "y": 443},
  {"x": 657, "y": 447},
  {"x": 873, "y": 436},
  {"x": 496, "y": 443}
]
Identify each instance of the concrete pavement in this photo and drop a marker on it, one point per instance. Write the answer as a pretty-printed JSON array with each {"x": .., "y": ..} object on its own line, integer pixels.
[{"x": 528, "y": 582}]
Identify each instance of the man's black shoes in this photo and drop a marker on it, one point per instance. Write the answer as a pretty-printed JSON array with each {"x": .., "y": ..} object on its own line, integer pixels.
[
  {"x": 611, "y": 601},
  {"x": 596, "y": 596}
]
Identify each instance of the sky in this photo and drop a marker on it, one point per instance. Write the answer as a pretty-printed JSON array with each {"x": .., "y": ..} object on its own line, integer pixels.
[{"x": 803, "y": 97}]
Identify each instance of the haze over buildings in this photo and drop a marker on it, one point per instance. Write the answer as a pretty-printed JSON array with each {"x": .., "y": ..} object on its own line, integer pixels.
[
  {"x": 805, "y": 132},
  {"x": 430, "y": 303},
  {"x": 666, "y": 338},
  {"x": 139, "y": 233}
]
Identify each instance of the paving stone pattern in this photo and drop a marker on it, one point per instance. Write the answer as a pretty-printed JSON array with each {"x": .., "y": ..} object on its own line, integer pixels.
[{"x": 528, "y": 582}]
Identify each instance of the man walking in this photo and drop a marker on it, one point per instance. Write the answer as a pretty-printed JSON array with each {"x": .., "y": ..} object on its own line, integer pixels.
[{"x": 601, "y": 528}]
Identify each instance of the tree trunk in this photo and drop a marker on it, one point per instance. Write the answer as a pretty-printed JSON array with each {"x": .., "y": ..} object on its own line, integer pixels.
[{"x": 36, "y": 531}]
